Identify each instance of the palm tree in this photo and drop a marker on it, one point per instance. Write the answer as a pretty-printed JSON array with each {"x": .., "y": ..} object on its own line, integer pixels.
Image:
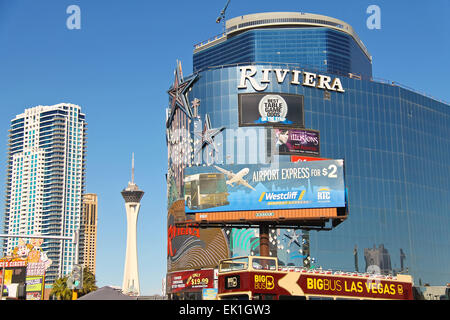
[
  {"x": 62, "y": 292},
  {"x": 88, "y": 283}
]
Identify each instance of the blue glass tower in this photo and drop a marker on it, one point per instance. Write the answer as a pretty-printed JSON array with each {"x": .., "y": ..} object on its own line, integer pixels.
[
  {"x": 395, "y": 141},
  {"x": 313, "y": 41}
]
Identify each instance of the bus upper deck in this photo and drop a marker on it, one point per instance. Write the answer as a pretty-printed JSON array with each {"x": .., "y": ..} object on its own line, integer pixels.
[{"x": 261, "y": 278}]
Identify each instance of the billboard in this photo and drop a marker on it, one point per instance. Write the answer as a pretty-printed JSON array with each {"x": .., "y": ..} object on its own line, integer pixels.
[
  {"x": 300, "y": 185},
  {"x": 35, "y": 280},
  {"x": 34, "y": 287},
  {"x": 190, "y": 280},
  {"x": 190, "y": 247},
  {"x": 269, "y": 109},
  {"x": 296, "y": 142},
  {"x": 25, "y": 266}
]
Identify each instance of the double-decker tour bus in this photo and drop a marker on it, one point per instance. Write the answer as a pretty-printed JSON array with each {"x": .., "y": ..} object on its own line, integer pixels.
[{"x": 260, "y": 278}]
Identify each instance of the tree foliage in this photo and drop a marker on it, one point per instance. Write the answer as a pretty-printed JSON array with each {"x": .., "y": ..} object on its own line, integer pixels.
[{"x": 62, "y": 292}]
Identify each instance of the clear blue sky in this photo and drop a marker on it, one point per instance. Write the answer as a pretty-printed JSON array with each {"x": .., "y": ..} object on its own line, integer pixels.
[{"x": 119, "y": 66}]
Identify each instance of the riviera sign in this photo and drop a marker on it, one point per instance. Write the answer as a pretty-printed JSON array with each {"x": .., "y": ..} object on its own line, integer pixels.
[{"x": 308, "y": 79}]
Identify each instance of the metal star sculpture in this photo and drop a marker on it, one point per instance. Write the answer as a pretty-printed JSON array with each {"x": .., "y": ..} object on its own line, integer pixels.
[
  {"x": 178, "y": 94},
  {"x": 293, "y": 238},
  {"x": 208, "y": 135}
]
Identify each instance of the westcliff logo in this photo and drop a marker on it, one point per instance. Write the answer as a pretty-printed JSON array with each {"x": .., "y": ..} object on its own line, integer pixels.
[{"x": 307, "y": 79}]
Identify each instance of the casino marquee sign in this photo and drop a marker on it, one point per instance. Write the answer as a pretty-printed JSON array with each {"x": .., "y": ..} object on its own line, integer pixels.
[{"x": 261, "y": 82}]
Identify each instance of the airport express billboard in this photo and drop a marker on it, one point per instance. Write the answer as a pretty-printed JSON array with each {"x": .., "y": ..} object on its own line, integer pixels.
[{"x": 300, "y": 185}]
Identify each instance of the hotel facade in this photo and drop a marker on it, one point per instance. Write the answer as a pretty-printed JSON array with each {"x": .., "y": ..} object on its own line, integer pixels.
[
  {"x": 394, "y": 141},
  {"x": 88, "y": 234}
]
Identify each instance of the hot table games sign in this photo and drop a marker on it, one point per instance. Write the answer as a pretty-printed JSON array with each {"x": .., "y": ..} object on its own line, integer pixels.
[
  {"x": 300, "y": 185},
  {"x": 268, "y": 109}
]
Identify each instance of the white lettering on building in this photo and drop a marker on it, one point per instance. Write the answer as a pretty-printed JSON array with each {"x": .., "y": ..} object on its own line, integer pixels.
[{"x": 309, "y": 79}]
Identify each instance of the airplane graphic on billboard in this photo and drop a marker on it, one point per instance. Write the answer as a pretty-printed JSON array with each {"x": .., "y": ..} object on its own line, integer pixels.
[{"x": 237, "y": 178}]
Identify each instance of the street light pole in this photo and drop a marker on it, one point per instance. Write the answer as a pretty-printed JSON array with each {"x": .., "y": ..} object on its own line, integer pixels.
[
  {"x": 36, "y": 236},
  {"x": 3, "y": 280},
  {"x": 75, "y": 240}
]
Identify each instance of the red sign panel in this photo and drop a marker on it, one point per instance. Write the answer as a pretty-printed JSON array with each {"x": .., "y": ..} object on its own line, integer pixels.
[
  {"x": 190, "y": 280},
  {"x": 302, "y": 158},
  {"x": 13, "y": 263},
  {"x": 302, "y": 284},
  {"x": 358, "y": 287}
]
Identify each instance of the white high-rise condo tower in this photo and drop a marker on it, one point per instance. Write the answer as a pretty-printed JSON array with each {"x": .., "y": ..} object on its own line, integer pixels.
[
  {"x": 132, "y": 196},
  {"x": 45, "y": 181}
]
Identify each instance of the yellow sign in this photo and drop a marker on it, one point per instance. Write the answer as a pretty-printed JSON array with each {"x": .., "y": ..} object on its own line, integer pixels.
[
  {"x": 8, "y": 277},
  {"x": 34, "y": 284},
  {"x": 264, "y": 282},
  {"x": 348, "y": 286}
]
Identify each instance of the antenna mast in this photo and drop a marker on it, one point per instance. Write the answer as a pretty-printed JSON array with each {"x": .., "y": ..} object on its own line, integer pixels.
[{"x": 132, "y": 168}]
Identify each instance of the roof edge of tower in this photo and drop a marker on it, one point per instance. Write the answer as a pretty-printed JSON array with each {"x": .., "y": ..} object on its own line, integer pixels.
[{"x": 281, "y": 19}]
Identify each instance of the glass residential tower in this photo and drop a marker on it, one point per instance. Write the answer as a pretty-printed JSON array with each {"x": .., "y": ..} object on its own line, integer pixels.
[{"x": 46, "y": 180}]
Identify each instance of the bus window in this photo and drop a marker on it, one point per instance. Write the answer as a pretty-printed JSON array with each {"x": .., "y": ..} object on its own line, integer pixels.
[
  {"x": 283, "y": 297},
  {"x": 266, "y": 264},
  {"x": 187, "y": 187},
  {"x": 213, "y": 186},
  {"x": 319, "y": 298},
  {"x": 235, "y": 297},
  {"x": 234, "y": 264},
  {"x": 259, "y": 296}
]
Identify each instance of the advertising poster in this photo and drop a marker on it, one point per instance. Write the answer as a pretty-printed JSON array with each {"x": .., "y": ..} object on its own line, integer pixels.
[
  {"x": 26, "y": 266},
  {"x": 35, "y": 280},
  {"x": 295, "y": 142},
  {"x": 269, "y": 109},
  {"x": 190, "y": 247},
  {"x": 34, "y": 287},
  {"x": 8, "y": 277},
  {"x": 186, "y": 280},
  {"x": 299, "y": 185},
  {"x": 14, "y": 277},
  {"x": 209, "y": 294}
]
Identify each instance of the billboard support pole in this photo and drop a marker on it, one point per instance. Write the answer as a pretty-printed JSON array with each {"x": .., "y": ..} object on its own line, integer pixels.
[{"x": 264, "y": 240}]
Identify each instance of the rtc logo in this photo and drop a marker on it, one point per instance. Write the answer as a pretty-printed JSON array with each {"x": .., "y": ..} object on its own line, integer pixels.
[{"x": 324, "y": 195}]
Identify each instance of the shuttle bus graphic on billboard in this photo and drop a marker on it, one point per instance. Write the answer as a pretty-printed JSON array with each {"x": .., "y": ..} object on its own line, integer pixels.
[
  {"x": 301, "y": 185},
  {"x": 205, "y": 190}
]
